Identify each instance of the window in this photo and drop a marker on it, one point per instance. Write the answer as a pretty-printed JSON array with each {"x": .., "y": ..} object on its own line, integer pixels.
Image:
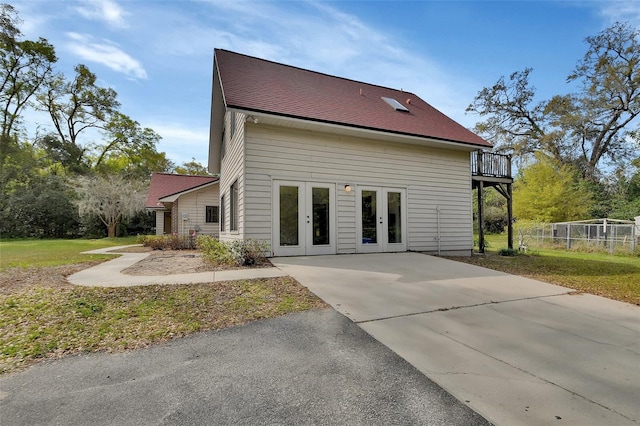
[
  {"x": 223, "y": 145},
  {"x": 233, "y": 215},
  {"x": 395, "y": 104},
  {"x": 223, "y": 219},
  {"x": 212, "y": 214},
  {"x": 232, "y": 119}
]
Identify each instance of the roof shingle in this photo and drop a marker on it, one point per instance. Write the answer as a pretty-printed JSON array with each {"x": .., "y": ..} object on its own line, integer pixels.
[
  {"x": 165, "y": 184},
  {"x": 259, "y": 85}
]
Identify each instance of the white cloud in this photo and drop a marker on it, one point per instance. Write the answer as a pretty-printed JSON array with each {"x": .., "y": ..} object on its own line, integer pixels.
[
  {"x": 622, "y": 11},
  {"x": 107, "y": 11},
  {"x": 105, "y": 53},
  {"x": 317, "y": 36},
  {"x": 181, "y": 144}
]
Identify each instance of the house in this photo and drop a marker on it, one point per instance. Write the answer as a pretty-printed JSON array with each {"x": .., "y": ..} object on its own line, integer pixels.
[
  {"x": 184, "y": 204},
  {"x": 316, "y": 164}
]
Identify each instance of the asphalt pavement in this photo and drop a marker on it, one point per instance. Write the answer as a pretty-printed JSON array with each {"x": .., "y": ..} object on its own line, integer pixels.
[{"x": 309, "y": 368}]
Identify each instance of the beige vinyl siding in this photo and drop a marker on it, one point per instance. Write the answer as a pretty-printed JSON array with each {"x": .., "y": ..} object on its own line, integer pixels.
[
  {"x": 433, "y": 177},
  {"x": 232, "y": 170},
  {"x": 194, "y": 204},
  {"x": 159, "y": 222}
]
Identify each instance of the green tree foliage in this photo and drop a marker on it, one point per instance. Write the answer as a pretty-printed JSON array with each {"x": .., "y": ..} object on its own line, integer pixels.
[
  {"x": 43, "y": 208},
  {"x": 192, "y": 168},
  {"x": 494, "y": 210},
  {"x": 549, "y": 191},
  {"x": 129, "y": 149},
  {"x": 24, "y": 68},
  {"x": 588, "y": 129},
  {"x": 625, "y": 193},
  {"x": 45, "y": 180}
]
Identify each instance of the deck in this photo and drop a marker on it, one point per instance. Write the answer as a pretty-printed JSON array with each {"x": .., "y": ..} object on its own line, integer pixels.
[{"x": 489, "y": 169}]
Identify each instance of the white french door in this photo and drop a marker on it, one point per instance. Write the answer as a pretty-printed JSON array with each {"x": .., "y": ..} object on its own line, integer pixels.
[
  {"x": 303, "y": 218},
  {"x": 381, "y": 224}
]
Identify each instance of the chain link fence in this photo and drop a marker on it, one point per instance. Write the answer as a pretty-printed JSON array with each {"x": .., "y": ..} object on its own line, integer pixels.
[{"x": 599, "y": 235}]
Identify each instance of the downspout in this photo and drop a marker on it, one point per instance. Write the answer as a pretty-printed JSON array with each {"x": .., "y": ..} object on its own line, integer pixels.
[{"x": 438, "y": 225}]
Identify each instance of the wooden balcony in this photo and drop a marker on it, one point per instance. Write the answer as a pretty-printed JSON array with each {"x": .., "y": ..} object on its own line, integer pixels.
[{"x": 490, "y": 168}]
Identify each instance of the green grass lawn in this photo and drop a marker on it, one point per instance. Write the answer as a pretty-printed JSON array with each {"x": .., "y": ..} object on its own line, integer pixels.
[
  {"x": 613, "y": 276},
  {"x": 43, "y": 316},
  {"x": 26, "y": 253}
]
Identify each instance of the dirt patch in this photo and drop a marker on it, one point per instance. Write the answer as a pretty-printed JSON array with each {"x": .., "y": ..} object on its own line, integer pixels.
[
  {"x": 16, "y": 279},
  {"x": 169, "y": 262},
  {"x": 159, "y": 262}
]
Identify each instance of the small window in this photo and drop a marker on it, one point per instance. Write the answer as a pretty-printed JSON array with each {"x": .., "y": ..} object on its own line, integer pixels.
[
  {"x": 212, "y": 214},
  {"x": 222, "y": 215},
  {"x": 223, "y": 145},
  {"x": 232, "y": 119},
  {"x": 233, "y": 215},
  {"x": 395, "y": 104}
]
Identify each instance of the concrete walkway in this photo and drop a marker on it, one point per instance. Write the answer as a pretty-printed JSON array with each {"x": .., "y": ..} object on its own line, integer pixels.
[
  {"x": 517, "y": 351},
  {"x": 109, "y": 274}
]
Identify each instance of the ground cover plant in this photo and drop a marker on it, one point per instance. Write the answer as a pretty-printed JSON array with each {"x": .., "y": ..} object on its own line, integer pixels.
[
  {"x": 613, "y": 276},
  {"x": 43, "y": 316}
]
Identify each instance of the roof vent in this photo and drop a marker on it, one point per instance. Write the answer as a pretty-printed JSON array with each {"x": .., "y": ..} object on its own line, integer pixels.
[{"x": 395, "y": 104}]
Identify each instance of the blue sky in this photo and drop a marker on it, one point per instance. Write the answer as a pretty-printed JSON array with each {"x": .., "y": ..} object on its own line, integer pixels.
[{"x": 158, "y": 55}]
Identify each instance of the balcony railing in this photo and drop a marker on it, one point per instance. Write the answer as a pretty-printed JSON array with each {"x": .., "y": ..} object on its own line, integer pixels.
[{"x": 490, "y": 164}]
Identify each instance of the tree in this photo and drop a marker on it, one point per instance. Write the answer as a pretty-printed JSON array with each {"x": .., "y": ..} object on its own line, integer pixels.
[
  {"x": 548, "y": 191},
  {"x": 130, "y": 149},
  {"x": 192, "y": 168},
  {"x": 111, "y": 198},
  {"x": 584, "y": 129},
  {"x": 77, "y": 106},
  {"x": 43, "y": 208},
  {"x": 24, "y": 67},
  {"x": 494, "y": 210},
  {"x": 67, "y": 154}
]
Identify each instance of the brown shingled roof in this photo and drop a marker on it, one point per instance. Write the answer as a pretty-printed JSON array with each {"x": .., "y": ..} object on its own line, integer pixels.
[
  {"x": 259, "y": 85},
  {"x": 165, "y": 184}
]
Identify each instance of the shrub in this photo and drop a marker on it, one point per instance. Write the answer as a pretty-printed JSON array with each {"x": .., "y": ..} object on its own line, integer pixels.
[
  {"x": 238, "y": 252},
  {"x": 213, "y": 250},
  {"x": 167, "y": 242},
  {"x": 476, "y": 243},
  {"x": 508, "y": 252},
  {"x": 248, "y": 252}
]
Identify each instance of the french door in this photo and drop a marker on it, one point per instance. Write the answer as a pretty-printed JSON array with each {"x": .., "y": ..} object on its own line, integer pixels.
[
  {"x": 381, "y": 224},
  {"x": 303, "y": 218}
]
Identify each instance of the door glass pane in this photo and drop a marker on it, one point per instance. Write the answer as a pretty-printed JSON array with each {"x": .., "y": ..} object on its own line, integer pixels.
[
  {"x": 369, "y": 216},
  {"x": 289, "y": 216},
  {"x": 320, "y": 216},
  {"x": 394, "y": 217}
]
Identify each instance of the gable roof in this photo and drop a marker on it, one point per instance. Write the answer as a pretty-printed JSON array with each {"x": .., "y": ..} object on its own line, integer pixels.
[
  {"x": 167, "y": 184},
  {"x": 258, "y": 85}
]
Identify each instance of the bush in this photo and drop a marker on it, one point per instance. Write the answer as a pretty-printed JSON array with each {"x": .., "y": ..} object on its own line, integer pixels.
[
  {"x": 238, "y": 252},
  {"x": 508, "y": 252},
  {"x": 248, "y": 252},
  {"x": 476, "y": 243},
  {"x": 167, "y": 242},
  {"x": 213, "y": 250}
]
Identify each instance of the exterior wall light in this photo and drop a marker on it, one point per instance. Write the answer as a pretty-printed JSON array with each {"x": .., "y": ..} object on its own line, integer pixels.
[{"x": 347, "y": 188}]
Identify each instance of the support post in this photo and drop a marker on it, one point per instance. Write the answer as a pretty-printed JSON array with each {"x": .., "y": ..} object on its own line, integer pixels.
[
  {"x": 510, "y": 216},
  {"x": 480, "y": 217}
]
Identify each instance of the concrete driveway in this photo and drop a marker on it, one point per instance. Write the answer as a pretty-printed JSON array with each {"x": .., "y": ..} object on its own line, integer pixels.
[{"x": 518, "y": 351}]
